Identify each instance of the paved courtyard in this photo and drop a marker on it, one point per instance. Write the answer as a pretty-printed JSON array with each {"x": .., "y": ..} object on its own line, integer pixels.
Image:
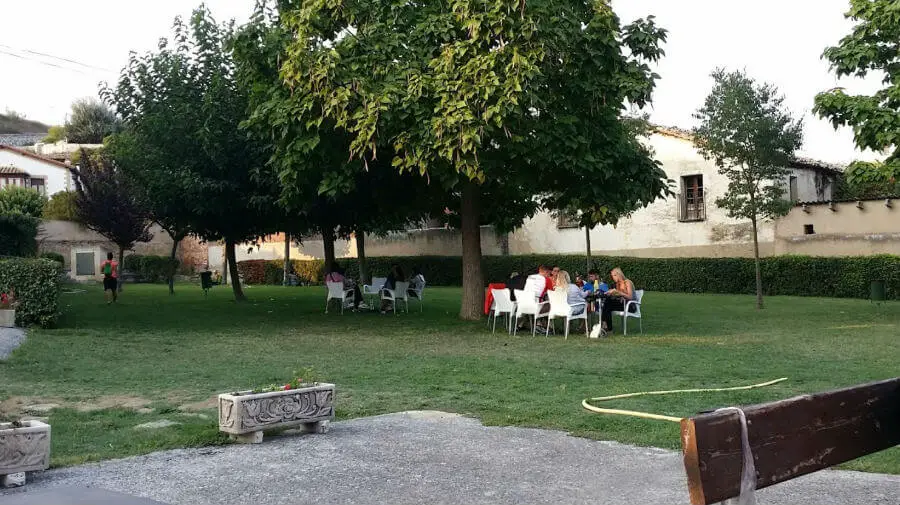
[{"x": 425, "y": 457}]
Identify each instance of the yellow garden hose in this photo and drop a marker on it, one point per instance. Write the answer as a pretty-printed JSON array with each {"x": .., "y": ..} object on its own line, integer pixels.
[{"x": 586, "y": 403}]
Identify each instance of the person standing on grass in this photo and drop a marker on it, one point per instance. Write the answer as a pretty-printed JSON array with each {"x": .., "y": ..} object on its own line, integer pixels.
[{"x": 110, "y": 271}]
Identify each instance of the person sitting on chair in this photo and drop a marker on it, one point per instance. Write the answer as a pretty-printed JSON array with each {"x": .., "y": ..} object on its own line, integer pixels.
[
  {"x": 574, "y": 295},
  {"x": 617, "y": 297},
  {"x": 396, "y": 274},
  {"x": 416, "y": 282},
  {"x": 336, "y": 274}
]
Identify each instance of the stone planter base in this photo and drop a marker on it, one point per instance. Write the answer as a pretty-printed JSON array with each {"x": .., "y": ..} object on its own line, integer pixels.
[
  {"x": 23, "y": 449},
  {"x": 7, "y": 318},
  {"x": 245, "y": 415}
]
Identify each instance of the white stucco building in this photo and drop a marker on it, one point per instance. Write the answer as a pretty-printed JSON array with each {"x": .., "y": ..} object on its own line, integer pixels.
[
  {"x": 687, "y": 225},
  {"x": 19, "y": 167}
]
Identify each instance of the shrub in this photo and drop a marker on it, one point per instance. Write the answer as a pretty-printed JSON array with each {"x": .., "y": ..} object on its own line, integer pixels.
[
  {"x": 18, "y": 234},
  {"x": 847, "y": 277},
  {"x": 252, "y": 271},
  {"x": 151, "y": 268},
  {"x": 19, "y": 200},
  {"x": 36, "y": 284},
  {"x": 61, "y": 207},
  {"x": 55, "y": 256}
]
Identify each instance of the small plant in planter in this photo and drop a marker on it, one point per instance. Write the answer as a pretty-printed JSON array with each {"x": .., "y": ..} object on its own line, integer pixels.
[
  {"x": 8, "y": 308},
  {"x": 303, "y": 401}
]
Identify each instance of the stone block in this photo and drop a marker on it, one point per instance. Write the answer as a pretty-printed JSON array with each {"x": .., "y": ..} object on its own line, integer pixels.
[
  {"x": 24, "y": 448},
  {"x": 12, "y": 480},
  {"x": 248, "y": 412}
]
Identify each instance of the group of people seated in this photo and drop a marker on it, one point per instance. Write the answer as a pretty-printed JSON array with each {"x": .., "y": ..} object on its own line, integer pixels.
[
  {"x": 581, "y": 294},
  {"x": 416, "y": 281}
]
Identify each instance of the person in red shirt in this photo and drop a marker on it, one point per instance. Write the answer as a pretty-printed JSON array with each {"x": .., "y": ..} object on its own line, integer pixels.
[{"x": 110, "y": 271}]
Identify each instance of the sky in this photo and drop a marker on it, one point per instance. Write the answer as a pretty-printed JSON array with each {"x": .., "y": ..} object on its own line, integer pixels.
[{"x": 777, "y": 41}]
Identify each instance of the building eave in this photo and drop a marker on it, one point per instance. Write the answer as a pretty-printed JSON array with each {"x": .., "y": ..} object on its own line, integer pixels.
[{"x": 34, "y": 156}]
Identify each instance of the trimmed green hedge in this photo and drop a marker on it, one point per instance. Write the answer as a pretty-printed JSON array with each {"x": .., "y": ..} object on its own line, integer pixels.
[
  {"x": 36, "y": 286},
  {"x": 848, "y": 277},
  {"x": 151, "y": 268},
  {"x": 55, "y": 256}
]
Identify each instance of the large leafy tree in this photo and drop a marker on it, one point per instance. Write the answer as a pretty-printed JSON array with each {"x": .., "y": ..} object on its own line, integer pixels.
[
  {"x": 322, "y": 189},
  {"x": 746, "y": 129},
  {"x": 872, "y": 47},
  {"x": 496, "y": 103},
  {"x": 106, "y": 202},
  {"x": 89, "y": 122},
  {"x": 183, "y": 144}
]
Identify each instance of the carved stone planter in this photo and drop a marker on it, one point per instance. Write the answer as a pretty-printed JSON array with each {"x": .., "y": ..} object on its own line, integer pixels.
[
  {"x": 7, "y": 318},
  {"x": 23, "y": 449},
  {"x": 244, "y": 415}
]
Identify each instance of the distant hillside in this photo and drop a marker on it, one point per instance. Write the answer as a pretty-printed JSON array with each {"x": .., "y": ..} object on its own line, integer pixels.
[{"x": 12, "y": 124}]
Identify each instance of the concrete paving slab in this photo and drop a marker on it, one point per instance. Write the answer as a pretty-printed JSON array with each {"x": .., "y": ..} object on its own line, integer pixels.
[{"x": 435, "y": 458}]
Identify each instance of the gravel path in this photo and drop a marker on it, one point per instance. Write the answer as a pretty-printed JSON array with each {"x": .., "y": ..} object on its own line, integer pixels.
[
  {"x": 10, "y": 338},
  {"x": 435, "y": 458}
]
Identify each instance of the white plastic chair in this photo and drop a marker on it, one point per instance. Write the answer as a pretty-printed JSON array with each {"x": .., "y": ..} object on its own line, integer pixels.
[
  {"x": 638, "y": 295},
  {"x": 527, "y": 305},
  {"x": 396, "y": 294},
  {"x": 372, "y": 291},
  {"x": 559, "y": 307},
  {"x": 417, "y": 295},
  {"x": 375, "y": 287},
  {"x": 503, "y": 305},
  {"x": 336, "y": 291}
]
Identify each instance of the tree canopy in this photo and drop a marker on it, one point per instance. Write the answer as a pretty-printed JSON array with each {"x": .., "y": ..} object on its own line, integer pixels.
[
  {"x": 505, "y": 107},
  {"x": 750, "y": 135},
  {"x": 872, "y": 47},
  {"x": 89, "y": 123},
  {"x": 107, "y": 203},
  {"x": 183, "y": 145}
]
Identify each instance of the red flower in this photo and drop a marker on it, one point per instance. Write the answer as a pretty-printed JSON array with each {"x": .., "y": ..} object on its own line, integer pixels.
[{"x": 287, "y": 386}]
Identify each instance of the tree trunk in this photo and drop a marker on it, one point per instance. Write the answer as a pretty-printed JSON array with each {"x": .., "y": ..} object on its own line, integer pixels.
[
  {"x": 175, "y": 241},
  {"x": 473, "y": 277},
  {"x": 504, "y": 242},
  {"x": 587, "y": 245},
  {"x": 328, "y": 241},
  {"x": 759, "y": 297},
  {"x": 225, "y": 269},
  {"x": 121, "y": 266},
  {"x": 361, "y": 257},
  {"x": 231, "y": 259},
  {"x": 287, "y": 259}
]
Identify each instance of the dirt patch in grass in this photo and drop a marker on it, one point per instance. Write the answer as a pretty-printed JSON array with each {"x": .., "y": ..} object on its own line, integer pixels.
[
  {"x": 112, "y": 402},
  {"x": 209, "y": 403},
  {"x": 16, "y": 406}
]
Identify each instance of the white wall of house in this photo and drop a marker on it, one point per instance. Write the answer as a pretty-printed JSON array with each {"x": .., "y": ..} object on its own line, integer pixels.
[
  {"x": 658, "y": 231},
  {"x": 57, "y": 178}
]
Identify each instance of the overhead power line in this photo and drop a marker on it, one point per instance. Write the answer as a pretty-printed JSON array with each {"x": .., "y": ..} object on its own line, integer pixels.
[{"x": 9, "y": 52}]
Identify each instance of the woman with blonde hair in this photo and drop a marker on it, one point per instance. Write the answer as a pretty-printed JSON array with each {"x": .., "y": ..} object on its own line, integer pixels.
[
  {"x": 574, "y": 294},
  {"x": 617, "y": 297}
]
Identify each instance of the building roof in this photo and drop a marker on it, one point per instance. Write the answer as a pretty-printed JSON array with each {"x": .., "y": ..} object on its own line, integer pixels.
[
  {"x": 31, "y": 155},
  {"x": 11, "y": 170},
  {"x": 21, "y": 139},
  {"x": 798, "y": 162}
]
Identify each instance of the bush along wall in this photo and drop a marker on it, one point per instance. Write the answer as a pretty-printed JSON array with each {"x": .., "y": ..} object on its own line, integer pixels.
[
  {"x": 151, "y": 268},
  {"x": 847, "y": 277},
  {"x": 36, "y": 284}
]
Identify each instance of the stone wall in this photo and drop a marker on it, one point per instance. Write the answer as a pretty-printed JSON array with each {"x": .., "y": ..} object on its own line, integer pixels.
[
  {"x": 840, "y": 229},
  {"x": 71, "y": 239}
]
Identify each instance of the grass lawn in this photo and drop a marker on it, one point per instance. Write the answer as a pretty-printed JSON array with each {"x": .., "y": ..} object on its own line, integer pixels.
[{"x": 155, "y": 356}]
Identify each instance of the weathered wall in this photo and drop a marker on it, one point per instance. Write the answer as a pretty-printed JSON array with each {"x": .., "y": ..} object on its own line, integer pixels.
[
  {"x": 69, "y": 239},
  {"x": 847, "y": 230},
  {"x": 656, "y": 230}
]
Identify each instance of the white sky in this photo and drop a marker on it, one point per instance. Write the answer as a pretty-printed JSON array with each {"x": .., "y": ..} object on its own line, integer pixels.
[{"x": 779, "y": 41}]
